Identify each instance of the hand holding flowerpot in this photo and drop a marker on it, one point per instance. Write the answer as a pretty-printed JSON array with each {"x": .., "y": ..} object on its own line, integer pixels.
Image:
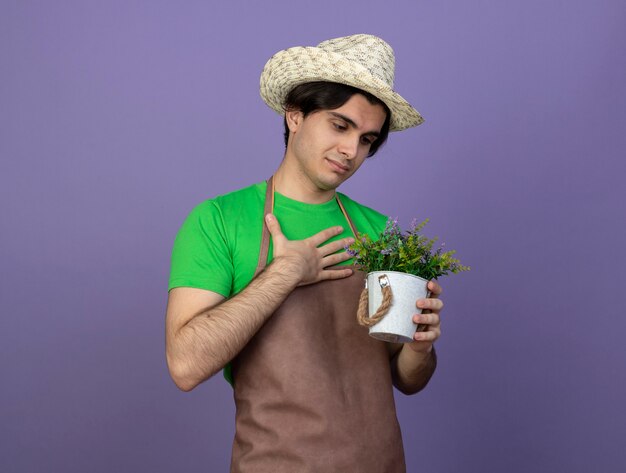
[{"x": 399, "y": 267}]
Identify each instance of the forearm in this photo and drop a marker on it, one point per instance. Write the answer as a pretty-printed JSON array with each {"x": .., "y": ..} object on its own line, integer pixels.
[
  {"x": 216, "y": 335},
  {"x": 411, "y": 370}
]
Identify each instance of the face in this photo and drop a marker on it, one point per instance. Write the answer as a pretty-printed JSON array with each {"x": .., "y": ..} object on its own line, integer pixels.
[{"x": 327, "y": 147}]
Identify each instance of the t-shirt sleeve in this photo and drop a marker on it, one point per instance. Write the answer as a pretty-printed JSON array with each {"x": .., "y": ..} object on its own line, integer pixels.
[{"x": 201, "y": 257}]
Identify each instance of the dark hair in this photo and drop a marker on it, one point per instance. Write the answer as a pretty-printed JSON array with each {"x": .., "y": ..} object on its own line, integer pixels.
[{"x": 314, "y": 96}]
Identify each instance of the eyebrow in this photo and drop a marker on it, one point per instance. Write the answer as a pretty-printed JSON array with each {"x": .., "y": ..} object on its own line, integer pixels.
[{"x": 352, "y": 123}]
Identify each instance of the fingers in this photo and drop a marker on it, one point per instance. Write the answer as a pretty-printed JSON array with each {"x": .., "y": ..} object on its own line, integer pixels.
[
  {"x": 335, "y": 246},
  {"x": 311, "y": 255},
  {"x": 435, "y": 289},
  {"x": 429, "y": 304},
  {"x": 335, "y": 274},
  {"x": 274, "y": 227},
  {"x": 327, "y": 274},
  {"x": 325, "y": 235},
  {"x": 427, "y": 319},
  {"x": 432, "y": 327},
  {"x": 315, "y": 240},
  {"x": 427, "y": 336},
  {"x": 334, "y": 259}
]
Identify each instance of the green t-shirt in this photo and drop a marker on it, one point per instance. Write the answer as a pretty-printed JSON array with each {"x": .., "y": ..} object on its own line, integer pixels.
[{"x": 217, "y": 247}]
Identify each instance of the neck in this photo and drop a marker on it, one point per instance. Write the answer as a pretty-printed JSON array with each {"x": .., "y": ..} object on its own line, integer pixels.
[{"x": 293, "y": 184}]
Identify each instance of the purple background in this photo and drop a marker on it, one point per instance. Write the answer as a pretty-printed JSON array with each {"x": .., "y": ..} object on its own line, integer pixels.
[{"x": 116, "y": 118}]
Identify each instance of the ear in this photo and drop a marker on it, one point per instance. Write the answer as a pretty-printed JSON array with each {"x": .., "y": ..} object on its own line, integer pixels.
[{"x": 294, "y": 119}]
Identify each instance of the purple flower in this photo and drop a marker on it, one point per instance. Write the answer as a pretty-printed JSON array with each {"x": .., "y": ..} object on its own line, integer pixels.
[
  {"x": 392, "y": 228},
  {"x": 351, "y": 252}
]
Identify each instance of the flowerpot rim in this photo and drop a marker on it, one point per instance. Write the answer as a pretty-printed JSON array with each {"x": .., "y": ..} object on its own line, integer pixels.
[{"x": 398, "y": 272}]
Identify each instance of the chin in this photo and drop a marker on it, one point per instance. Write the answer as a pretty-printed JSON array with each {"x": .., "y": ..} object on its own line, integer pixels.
[{"x": 328, "y": 185}]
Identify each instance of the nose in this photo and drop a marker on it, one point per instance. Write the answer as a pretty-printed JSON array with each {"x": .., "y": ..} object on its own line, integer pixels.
[{"x": 349, "y": 145}]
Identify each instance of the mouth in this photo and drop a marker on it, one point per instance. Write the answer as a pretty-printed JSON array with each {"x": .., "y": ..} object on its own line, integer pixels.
[{"x": 337, "y": 167}]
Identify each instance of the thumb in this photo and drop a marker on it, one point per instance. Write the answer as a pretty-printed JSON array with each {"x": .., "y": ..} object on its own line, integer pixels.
[{"x": 274, "y": 227}]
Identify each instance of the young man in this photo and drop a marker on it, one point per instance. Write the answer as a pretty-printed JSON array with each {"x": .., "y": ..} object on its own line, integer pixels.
[{"x": 260, "y": 285}]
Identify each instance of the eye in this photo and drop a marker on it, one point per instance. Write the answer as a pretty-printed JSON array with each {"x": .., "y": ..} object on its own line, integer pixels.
[
  {"x": 339, "y": 126},
  {"x": 367, "y": 140}
]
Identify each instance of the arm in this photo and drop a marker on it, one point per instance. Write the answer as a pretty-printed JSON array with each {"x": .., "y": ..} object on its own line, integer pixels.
[
  {"x": 204, "y": 331},
  {"x": 413, "y": 364}
]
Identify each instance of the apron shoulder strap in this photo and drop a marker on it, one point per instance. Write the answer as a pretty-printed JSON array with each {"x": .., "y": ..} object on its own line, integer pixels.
[
  {"x": 265, "y": 233},
  {"x": 343, "y": 209}
]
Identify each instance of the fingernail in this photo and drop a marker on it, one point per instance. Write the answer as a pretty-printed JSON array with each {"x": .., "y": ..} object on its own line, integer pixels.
[{"x": 268, "y": 218}]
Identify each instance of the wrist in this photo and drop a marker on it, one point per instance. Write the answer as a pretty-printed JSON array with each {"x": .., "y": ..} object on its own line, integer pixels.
[
  {"x": 416, "y": 357},
  {"x": 289, "y": 267}
]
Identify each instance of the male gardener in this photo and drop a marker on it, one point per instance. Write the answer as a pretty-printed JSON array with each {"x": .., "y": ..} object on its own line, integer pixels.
[{"x": 260, "y": 284}]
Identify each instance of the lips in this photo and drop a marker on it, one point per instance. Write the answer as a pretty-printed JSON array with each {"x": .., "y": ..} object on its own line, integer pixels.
[{"x": 337, "y": 166}]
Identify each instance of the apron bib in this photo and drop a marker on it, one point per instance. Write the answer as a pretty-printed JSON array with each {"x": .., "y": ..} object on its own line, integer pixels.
[{"x": 313, "y": 391}]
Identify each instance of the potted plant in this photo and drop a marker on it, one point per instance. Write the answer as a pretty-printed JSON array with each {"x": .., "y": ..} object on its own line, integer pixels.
[{"x": 398, "y": 266}]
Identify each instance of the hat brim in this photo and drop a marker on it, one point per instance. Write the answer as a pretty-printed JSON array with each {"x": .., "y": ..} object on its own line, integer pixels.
[{"x": 301, "y": 64}]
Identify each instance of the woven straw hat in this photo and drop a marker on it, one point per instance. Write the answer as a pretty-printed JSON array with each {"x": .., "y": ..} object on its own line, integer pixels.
[{"x": 362, "y": 61}]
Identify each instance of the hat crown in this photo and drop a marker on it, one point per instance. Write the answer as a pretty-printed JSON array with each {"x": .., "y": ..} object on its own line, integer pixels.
[
  {"x": 362, "y": 61},
  {"x": 371, "y": 52}
]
